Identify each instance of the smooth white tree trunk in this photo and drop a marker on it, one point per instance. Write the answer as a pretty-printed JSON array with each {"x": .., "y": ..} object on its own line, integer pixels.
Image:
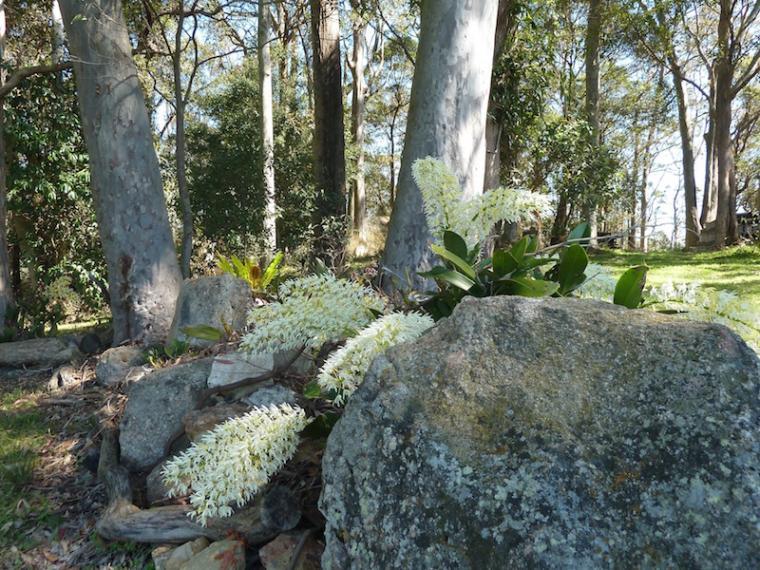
[
  {"x": 267, "y": 126},
  {"x": 143, "y": 273},
  {"x": 447, "y": 120}
]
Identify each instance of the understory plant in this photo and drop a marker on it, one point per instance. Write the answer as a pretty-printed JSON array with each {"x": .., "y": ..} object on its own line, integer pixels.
[
  {"x": 249, "y": 271},
  {"x": 522, "y": 269}
]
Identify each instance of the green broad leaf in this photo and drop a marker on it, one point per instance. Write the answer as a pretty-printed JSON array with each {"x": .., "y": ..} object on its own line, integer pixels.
[
  {"x": 271, "y": 271},
  {"x": 532, "y": 245},
  {"x": 312, "y": 390},
  {"x": 630, "y": 287},
  {"x": 434, "y": 272},
  {"x": 572, "y": 266},
  {"x": 455, "y": 244},
  {"x": 456, "y": 279},
  {"x": 321, "y": 426},
  {"x": 527, "y": 287},
  {"x": 204, "y": 332},
  {"x": 580, "y": 232},
  {"x": 503, "y": 263},
  {"x": 457, "y": 261},
  {"x": 518, "y": 249}
]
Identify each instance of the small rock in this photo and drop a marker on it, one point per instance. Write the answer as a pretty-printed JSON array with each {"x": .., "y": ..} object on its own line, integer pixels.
[
  {"x": 236, "y": 366},
  {"x": 64, "y": 377},
  {"x": 278, "y": 554},
  {"x": 182, "y": 554},
  {"x": 42, "y": 352},
  {"x": 222, "y": 555},
  {"x": 115, "y": 364},
  {"x": 271, "y": 396},
  {"x": 199, "y": 422},
  {"x": 155, "y": 409},
  {"x": 90, "y": 344},
  {"x": 155, "y": 489},
  {"x": 214, "y": 301},
  {"x": 160, "y": 555}
]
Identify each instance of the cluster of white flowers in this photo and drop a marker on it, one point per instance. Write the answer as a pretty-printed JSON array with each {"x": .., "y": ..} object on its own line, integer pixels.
[
  {"x": 473, "y": 218},
  {"x": 691, "y": 300},
  {"x": 233, "y": 461},
  {"x": 312, "y": 310},
  {"x": 345, "y": 368}
]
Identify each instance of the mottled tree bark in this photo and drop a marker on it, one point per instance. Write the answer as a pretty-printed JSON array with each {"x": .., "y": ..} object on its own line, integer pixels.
[
  {"x": 143, "y": 272},
  {"x": 447, "y": 118},
  {"x": 329, "y": 144},
  {"x": 693, "y": 225},
  {"x": 357, "y": 64},
  {"x": 267, "y": 127},
  {"x": 6, "y": 289},
  {"x": 593, "y": 37}
]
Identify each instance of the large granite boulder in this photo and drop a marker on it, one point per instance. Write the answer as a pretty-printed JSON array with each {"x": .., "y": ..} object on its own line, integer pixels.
[
  {"x": 155, "y": 409},
  {"x": 557, "y": 433},
  {"x": 213, "y": 301}
]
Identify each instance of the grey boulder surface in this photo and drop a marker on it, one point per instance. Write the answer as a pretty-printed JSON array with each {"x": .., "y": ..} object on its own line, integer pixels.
[
  {"x": 555, "y": 433},
  {"x": 155, "y": 409},
  {"x": 214, "y": 301}
]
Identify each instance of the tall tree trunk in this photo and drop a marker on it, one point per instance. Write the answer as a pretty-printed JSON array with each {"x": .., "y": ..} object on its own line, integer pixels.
[
  {"x": 724, "y": 150},
  {"x": 693, "y": 226},
  {"x": 634, "y": 182},
  {"x": 329, "y": 145},
  {"x": 6, "y": 288},
  {"x": 593, "y": 37},
  {"x": 57, "y": 40},
  {"x": 180, "y": 150},
  {"x": 267, "y": 127},
  {"x": 447, "y": 117},
  {"x": 709, "y": 199},
  {"x": 357, "y": 65},
  {"x": 144, "y": 276}
]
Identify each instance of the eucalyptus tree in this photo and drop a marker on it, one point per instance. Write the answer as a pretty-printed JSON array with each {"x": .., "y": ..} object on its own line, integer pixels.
[
  {"x": 266, "y": 112},
  {"x": 144, "y": 276},
  {"x": 447, "y": 118}
]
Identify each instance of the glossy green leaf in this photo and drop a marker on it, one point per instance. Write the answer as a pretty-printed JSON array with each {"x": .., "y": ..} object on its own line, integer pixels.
[
  {"x": 455, "y": 244},
  {"x": 503, "y": 263},
  {"x": 312, "y": 390},
  {"x": 580, "y": 232},
  {"x": 527, "y": 287},
  {"x": 629, "y": 288},
  {"x": 457, "y": 261},
  {"x": 518, "y": 249},
  {"x": 456, "y": 279},
  {"x": 570, "y": 274},
  {"x": 204, "y": 332}
]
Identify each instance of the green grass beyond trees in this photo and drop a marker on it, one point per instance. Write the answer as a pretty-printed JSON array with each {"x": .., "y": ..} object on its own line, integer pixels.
[{"x": 734, "y": 269}]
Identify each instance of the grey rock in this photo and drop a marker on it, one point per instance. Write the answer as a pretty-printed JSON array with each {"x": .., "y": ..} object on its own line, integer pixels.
[
  {"x": 212, "y": 301},
  {"x": 233, "y": 367},
  {"x": 64, "y": 377},
  {"x": 116, "y": 365},
  {"x": 155, "y": 408},
  {"x": 39, "y": 352},
  {"x": 271, "y": 396},
  {"x": 155, "y": 490},
  {"x": 182, "y": 554},
  {"x": 199, "y": 422},
  {"x": 556, "y": 433}
]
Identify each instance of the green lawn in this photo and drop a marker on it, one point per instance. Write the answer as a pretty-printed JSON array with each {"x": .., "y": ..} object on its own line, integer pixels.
[{"x": 734, "y": 269}]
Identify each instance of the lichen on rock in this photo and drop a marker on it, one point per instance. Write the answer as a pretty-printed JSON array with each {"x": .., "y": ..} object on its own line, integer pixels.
[{"x": 551, "y": 433}]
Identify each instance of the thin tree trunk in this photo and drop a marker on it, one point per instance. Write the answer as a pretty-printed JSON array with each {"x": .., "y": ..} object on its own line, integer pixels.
[
  {"x": 634, "y": 182},
  {"x": 447, "y": 117},
  {"x": 144, "y": 276},
  {"x": 267, "y": 127},
  {"x": 357, "y": 65},
  {"x": 329, "y": 145},
  {"x": 723, "y": 147},
  {"x": 593, "y": 36},
  {"x": 709, "y": 199},
  {"x": 180, "y": 151},
  {"x": 6, "y": 288},
  {"x": 693, "y": 226}
]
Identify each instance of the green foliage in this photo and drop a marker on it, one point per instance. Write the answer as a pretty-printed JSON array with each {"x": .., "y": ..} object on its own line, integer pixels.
[
  {"x": 518, "y": 270},
  {"x": 158, "y": 356},
  {"x": 52, "y": 228},
  {"x": 250, "y": 272},
  {"x": 224, "y": 165}
]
